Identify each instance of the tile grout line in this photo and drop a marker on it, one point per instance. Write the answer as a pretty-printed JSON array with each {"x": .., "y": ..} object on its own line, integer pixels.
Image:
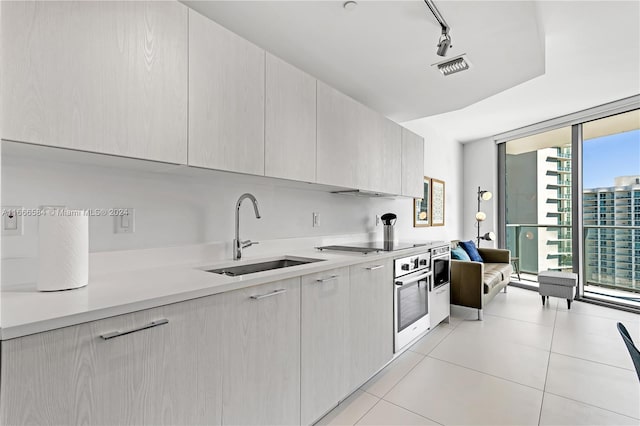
[
  {"x": 591, "y": 405},
  {"x": 595, "y": 362},
  {"x": 432, "y": 349},
  {"x": 412, "y": 368},
  {"x": 367, "y": 412},
  {"x": 417, "y": 414},
  {"x": 598, "y": 316},
  {"x": 404, "y": 375},
  {"x": 546, "y": 376},
  {"x": 485, "y": 373},
  {"x": 519, "y": 320}
]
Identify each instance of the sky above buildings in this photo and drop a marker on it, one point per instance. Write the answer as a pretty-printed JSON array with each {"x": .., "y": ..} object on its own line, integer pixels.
[{"x": 607, "y": 157}]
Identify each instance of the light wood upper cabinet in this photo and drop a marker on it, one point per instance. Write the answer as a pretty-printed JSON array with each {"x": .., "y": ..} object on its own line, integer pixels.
[
  {"x": 370, "y": 319},
  {"x": 388, "y": 176},
  {"x": 340, "y": 150},
  {"x": 261, "y": 354},
  {"x": 290, "y": 122},
  {"x": 152, "y": 376},
  {"x": 412, "y": 164},
  {"x": 356, "y": 146},
  {"x": 107, "y": 77},
  {"x": 324, "y": 357},
  {"x": 226, "y": 99}
]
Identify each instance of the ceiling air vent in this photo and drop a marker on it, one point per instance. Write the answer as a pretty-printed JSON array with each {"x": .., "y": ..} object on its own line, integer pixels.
[{"x": 452, "y": 66}]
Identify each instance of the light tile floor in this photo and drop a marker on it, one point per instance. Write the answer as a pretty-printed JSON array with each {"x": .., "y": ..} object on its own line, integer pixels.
[{"x": 525, "y": 364}]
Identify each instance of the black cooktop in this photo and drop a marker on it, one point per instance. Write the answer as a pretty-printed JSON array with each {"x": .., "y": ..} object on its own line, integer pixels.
[{"x": 373, "y": 247}]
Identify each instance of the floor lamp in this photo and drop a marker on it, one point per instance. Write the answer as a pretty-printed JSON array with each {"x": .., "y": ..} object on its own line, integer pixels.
[{"x": 481, "y": 216}]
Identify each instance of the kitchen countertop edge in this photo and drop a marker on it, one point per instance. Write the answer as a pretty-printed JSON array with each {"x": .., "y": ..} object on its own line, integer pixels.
[{"x": 209, "y": 285}]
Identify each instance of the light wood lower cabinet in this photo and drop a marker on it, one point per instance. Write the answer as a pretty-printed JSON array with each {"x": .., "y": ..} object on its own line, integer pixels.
[
  {"x": 153, "y": 376},
  {"x": 370, "y": 319},
  {"x": 439, "y": 304},
  {"x": 261, "y": 354},
  {"x": 324, "y": 357},
  {"x": 284, "y": 352}
]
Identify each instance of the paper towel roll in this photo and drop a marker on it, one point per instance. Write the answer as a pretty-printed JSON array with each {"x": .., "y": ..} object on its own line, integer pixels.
[{"x": 63, "y": 250}]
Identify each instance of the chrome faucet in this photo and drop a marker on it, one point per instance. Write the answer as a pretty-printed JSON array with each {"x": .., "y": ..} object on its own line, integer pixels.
[{"x": 237, "y": 244}]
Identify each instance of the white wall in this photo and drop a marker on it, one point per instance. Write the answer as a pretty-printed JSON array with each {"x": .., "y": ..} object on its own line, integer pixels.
[
  {"x": 443, "y": 159},
  {"x": 179, "y": 206},
  {"x": 480, "y": 169}
]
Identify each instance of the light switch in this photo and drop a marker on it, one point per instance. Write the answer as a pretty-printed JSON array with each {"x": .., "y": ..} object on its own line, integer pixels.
[
  {"x": 124, "y": 221},
  {"x": 11, "y": 221},
  {"x": 316, "y": 219}
]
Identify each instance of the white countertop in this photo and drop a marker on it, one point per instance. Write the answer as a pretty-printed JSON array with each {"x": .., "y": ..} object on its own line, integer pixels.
[{"x": 27, "y": 311}]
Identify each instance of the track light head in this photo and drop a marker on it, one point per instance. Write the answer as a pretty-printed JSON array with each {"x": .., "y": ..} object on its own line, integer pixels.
[{"x": 444, "y": 43}]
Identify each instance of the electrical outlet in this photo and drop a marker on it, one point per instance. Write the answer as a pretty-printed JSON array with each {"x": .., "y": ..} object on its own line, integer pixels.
[
  {"x": 316, "y": 219},
  {"x": 12, "y": 223},
  {"x": 124, "y": 221},
  {"x": 377, "y": 220}
]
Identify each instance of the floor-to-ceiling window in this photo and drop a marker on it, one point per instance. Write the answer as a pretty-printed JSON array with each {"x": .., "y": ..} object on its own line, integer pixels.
[
  {"x": 545, "y": 190},
  {"x": 538, "y": 202},
  {"x": 611, "y": 207}
]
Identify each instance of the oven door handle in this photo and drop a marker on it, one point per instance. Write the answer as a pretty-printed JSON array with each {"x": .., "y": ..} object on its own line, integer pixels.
[{"x": 401, "y": 282}]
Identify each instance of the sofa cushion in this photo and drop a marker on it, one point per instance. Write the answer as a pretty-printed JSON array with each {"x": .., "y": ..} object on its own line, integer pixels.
[
  {"x": 458, "y": 253},
  {"x": 494, "y": 274},
  {"x": 472, "y": 250}
]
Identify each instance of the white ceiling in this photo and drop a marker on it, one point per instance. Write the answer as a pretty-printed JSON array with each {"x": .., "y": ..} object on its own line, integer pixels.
[
  {"x": 592, "y": 58},
  {"x": 381, "y": 53},
  {"x": 531, "y": 60}
]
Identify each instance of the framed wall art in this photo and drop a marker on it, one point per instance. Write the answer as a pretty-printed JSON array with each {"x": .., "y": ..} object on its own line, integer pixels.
[
  {"x": 437, "y": 202},
  {"x": 422, "y": 206}
]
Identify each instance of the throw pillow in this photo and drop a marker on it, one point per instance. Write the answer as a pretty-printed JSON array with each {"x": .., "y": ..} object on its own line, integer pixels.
[
  {"x": 458, "y": 253},
  {"x": 472, "y": 250}
]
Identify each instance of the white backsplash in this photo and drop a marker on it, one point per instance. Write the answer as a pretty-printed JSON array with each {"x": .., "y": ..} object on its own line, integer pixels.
[{"x": 180, "y": 206}]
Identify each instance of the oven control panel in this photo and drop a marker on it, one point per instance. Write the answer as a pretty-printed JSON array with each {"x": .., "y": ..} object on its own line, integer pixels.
[
  {"x": 439, "y": 251},
  {"x": 406, "y": 265}
]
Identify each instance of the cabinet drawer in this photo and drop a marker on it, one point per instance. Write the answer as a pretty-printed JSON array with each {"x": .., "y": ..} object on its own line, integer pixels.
[
  {"x": 440, "y": 304},
  {"x": 103, "y": 372}
]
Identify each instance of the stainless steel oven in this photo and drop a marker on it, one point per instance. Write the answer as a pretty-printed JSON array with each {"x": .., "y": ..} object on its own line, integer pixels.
[
  {"x": 440, "y": 265},
  {"x": 412, "y": 279}
]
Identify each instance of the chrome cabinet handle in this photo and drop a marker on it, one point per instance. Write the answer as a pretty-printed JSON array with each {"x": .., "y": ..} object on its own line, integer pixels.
[
  {"x": 403, "y": 281},
  {"x": 152, "y": 324},
  {"x": 273, "y": 293},
  {"x": 373, "y": 268},
  {"x": 324, "y": 280}
]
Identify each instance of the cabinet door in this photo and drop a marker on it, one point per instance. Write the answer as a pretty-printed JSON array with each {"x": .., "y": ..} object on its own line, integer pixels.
[
  {"x": 387, "y": 176},
  {"x": 168, "y": 374},
  {"x": 370, "y": 319},
  {"x": 108, "y": 77},
  {"x": 341, "y": 152},
  {"x": 261, "y": 354},
  {"x": 412, "y": 164},
  {"x": 439, "y": 304},
  {"x": 290, "y": 122},
  {"x": 325, "y": 303},
  {"x": 226, "y": 99}
]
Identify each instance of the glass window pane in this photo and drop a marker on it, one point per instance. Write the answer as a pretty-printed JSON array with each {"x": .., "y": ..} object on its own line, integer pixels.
[
  {"x": 611, "y": 207},
  {"x": 538, "y": 202}
]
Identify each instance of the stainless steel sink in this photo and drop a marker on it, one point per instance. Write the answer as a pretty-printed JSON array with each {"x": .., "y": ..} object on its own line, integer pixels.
[{"x": 252, "y": 268}]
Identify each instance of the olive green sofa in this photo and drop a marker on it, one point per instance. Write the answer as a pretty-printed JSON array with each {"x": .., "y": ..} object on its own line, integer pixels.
[{"x": 474, "y": 284}]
